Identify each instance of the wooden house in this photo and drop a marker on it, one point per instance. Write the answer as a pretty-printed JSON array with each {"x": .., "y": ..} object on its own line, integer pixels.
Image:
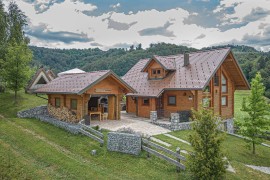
[
  {"x": 169, "y": 84},
  {"x": 40, "y": 78},
  {"x": 90, "y": 93}
]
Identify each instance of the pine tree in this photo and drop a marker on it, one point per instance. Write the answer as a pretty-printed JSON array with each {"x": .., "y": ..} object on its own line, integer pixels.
[
  {"x": 16, "y": 70},
  {"x": 256, "y": 124},
  {"x": 207, "y": 160}
]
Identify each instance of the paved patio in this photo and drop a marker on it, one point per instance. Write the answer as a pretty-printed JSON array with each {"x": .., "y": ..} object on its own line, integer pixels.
[{"x": 138, "y": 124}]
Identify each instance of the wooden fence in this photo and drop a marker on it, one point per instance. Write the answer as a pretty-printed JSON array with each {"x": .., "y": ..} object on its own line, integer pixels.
[
  {"x": 149, "y": 146},
  {"x": 92, "y": 133}
]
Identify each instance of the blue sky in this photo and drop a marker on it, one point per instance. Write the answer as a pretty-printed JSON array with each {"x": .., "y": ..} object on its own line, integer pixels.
[{"x": 122, "y": 23}]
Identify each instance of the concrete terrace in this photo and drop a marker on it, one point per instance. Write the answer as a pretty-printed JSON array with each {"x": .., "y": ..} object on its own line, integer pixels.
[{"x": 138, "y": 124}]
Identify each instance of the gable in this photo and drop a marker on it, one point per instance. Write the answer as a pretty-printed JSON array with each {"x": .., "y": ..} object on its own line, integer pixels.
[
  {"x": 152, "y": 63},
  {"x": 39, "y": 80},
  {"x": 233, "y": 69},
  {"x": 109, "y": 85}
]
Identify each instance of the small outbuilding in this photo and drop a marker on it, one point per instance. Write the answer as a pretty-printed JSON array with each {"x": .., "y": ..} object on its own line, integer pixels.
[
  {"x": 97, "y": 93},
  {"x": 40, "y": 78}
]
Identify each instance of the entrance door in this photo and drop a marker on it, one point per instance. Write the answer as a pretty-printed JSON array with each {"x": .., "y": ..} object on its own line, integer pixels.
[{"x": 160, "y": 106}]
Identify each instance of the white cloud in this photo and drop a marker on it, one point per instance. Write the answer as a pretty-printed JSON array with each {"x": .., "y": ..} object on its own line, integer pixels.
[
  {"x": 68, "y": 17},
  {"x": 114, "y": 6}
]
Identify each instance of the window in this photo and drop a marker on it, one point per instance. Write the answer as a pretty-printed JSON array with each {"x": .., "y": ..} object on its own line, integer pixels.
[
  {"x": 224, "y": 101},
  {"x": 57, "y": 102},
  {"x": 154, "y": 71},
  {"x": 171, "y": 100},
  {"x": 224, "y": 84},
  {"x": 158, "y": 71},
  {"x": 73, "y": 104},
  {"x": 206, "y": 102},
  {"x": 146, "y": 101},
  {"x": 216, "y": 80}
]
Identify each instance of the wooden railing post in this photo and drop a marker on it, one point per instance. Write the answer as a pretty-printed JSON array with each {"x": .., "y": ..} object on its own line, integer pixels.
[
  {"x": 148, "y": 154},
  {"x": 178, "y": 159}
]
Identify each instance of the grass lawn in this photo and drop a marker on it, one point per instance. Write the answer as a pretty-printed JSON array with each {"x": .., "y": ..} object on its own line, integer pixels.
[
  {"x": 30, "y": 149},
  {"x": 236, "y": 152}
]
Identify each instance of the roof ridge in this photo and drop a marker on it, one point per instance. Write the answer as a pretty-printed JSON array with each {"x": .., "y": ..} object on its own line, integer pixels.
[{"x": 194, "y": 52}]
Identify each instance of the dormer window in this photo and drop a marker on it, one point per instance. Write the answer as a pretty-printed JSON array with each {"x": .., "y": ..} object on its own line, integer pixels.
[{"x": 156, "y": 71}]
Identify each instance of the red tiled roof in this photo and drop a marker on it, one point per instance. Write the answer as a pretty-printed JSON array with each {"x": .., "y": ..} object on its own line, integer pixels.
[
  {"x": 197, "y": 75},
  {"x": 77, "y": 83}
]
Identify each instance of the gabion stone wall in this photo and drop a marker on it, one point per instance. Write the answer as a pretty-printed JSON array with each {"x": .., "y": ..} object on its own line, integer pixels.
[
  {"x": 229, "y": 123},
  {"x": 124, "y": 143},
  {"x": 175, "y": 125},
  {"x": 153, "y": 116}
]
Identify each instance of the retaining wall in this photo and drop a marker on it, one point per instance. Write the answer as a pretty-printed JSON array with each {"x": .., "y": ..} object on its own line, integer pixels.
[
  {"x": 41, "y": 113},
  {"x": 124, "y": 143}
]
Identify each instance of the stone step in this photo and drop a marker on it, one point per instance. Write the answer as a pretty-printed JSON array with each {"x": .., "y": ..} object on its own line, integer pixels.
[
  {"x": 177, "y": 139},
  {"x": 160, "y": 141}
]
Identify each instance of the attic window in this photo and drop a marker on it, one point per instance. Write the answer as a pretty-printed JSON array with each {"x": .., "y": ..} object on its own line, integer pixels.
[
  {"x": 156, "y": 71},
  {"x": 41, "y": 81}
]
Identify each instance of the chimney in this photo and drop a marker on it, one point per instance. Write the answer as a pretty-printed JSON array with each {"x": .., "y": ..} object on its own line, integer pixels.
[{"x": 186, "y": 59}]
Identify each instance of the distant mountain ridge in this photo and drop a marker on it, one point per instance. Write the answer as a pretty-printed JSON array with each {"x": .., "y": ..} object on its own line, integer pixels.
[{"x": 121, "y": 60}]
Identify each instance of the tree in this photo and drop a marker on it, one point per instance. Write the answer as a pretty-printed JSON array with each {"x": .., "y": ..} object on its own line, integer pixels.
[
  {"x": 16, "y": 23},
  {"x": 139, "y": 47},
  {"x": 256, "y": 124},
  {"x": 16, "y": 70},
  {"x": 3, "y": 30},
  {"x": 207, "y": 160}
]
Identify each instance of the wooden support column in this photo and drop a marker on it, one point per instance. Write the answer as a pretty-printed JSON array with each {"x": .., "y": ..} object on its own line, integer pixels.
[
  {"x": 111, "y": 107},
  {"x": 65, "y": 99}
]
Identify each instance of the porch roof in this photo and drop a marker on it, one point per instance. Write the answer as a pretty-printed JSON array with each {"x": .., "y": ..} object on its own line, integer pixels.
[{"x": 78, "y": 83}]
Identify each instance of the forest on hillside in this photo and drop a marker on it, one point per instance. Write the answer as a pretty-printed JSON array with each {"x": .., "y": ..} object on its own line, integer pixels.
[{"x": 121, "y": 60}]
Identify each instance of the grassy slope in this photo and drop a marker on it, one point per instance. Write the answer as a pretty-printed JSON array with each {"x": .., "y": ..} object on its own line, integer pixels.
[
  {"x": 234, "y": 148},
  {"x": 33, "y": 150}
]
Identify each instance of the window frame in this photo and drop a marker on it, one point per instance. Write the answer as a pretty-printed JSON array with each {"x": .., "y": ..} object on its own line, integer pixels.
[
  {"x": 168, "y": 100},
  {"x": 143, "y": 101},
  {"x": 209, "y": 102},
  {"x": 55, "y": 102},
  {"x": 71, "y": 107},
  {"x": 226, "y": 84},
  {"x": 226, "y": 97},
  {"x": 154, "y": 71}
]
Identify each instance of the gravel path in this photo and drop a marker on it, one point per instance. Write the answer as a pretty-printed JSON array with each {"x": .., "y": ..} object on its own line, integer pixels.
[{"x": 260, "y": 168}]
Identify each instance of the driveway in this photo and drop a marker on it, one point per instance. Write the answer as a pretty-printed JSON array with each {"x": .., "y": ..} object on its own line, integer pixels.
[{"x": 138, "y": 124}]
